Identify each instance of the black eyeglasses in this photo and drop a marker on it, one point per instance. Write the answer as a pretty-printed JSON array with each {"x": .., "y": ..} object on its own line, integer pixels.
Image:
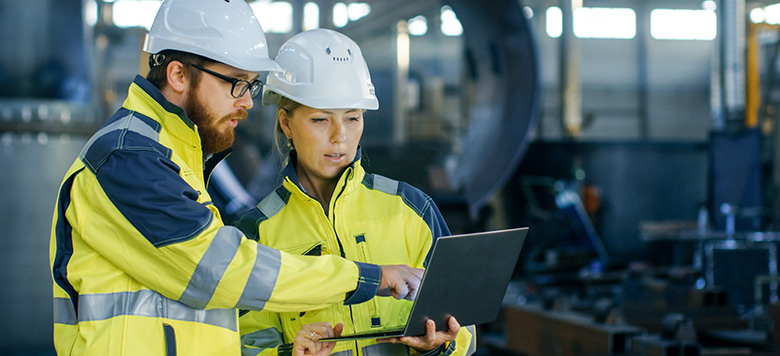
[{"x": 240, "y": 86}]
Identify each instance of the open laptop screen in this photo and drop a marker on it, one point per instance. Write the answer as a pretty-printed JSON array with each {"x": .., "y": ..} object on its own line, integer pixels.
[{"x": 466, "y": 277}]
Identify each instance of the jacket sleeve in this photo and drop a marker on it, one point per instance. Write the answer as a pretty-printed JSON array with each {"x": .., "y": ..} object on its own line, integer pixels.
[
  {"x": 153, "y": 227},
  {"x": 465, "y": 343},
  {"x": 424, "y": 225}
]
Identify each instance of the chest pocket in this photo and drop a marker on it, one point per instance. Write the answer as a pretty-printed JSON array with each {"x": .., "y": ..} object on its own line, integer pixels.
[
  {"x": 311, "y": 248},
  {"x": 362, "y": 248},
  {"x": 314, "y": 251},
  {"x": 195, "y": 181}
]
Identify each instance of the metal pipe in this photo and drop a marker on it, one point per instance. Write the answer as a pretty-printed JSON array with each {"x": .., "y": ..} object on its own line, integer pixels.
[
  {"x": 326, "y": 13},
  {"x": 570, "y": 95},
  {"x": 731, "y": 22},
  {"x": 400, "y": 81},
  {"x": 642, "y": 28},
  {"x": 297, "y": 15}
]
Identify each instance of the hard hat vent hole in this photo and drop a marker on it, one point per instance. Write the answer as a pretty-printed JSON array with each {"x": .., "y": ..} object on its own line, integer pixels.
[{"x": 340, "y": 54}]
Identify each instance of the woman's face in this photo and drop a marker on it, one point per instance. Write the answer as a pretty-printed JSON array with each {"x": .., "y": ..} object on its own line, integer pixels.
[{"x": 325, "y": 140}]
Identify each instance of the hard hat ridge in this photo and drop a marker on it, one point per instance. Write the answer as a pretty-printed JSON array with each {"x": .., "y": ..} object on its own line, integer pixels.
[{"x": 224, "y": 31}]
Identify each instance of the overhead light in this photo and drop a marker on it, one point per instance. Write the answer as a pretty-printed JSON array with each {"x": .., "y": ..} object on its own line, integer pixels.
[
  {"x": 418, "y": 26},
  {"x": 450, "y": 25}
]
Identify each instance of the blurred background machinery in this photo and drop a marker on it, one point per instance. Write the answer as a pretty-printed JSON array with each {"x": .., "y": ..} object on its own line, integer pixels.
[{"x": 638, "y": 140}]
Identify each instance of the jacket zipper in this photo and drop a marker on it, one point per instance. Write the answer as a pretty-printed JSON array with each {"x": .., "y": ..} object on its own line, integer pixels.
[
  {"x": 373, "y": 308},
  {"x": 333, "y": 215},
  {"x": 341, "y": 248},
  {"x": 170, "y": 339}
]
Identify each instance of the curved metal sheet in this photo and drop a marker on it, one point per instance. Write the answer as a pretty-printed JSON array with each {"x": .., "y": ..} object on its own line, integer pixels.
[{"x": 501, "y": 57}]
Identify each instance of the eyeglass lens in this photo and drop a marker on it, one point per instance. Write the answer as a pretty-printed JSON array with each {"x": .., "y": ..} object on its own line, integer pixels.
[{"x": 239, "y": 86}]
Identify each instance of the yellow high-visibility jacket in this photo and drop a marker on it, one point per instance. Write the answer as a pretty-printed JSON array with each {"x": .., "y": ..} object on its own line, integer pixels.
[
  {"x": 141, "y": 261},
  {"x": 370, "y": 218}
]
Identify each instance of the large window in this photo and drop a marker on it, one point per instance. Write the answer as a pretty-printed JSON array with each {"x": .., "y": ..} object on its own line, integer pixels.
[
  {"x": 343, "y": 13},
  {"x": 134, "y": 13},
  {"x": 665, "y": 24},
  {"x": 275, "y": 16},
  {"x": 594, "y": 22},
  {"x": 674, "y": 24}
]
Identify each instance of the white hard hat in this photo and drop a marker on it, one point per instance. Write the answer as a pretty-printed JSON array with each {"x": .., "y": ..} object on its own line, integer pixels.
[
  {"x": 322, "y": 69},
  {"x": 222, "y": 30}
]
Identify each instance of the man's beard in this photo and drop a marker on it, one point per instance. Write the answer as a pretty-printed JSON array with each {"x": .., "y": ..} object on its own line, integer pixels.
[{"x": 212, "y": 140}]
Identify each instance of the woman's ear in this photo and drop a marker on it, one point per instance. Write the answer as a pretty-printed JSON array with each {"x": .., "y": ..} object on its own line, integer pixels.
[{"x": 284, "y": 122}]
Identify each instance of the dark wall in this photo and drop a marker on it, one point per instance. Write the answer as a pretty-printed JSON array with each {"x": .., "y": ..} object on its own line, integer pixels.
[
  {"x": 43, "y": 50},
  {"x": 636, "y": 181}
]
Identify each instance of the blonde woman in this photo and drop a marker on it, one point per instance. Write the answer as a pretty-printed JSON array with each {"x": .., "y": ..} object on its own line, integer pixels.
[{"x": 328, "y": 205}]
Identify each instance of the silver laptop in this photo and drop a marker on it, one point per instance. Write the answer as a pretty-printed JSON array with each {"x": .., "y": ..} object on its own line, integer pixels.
[{"x": 466, "y": 277}]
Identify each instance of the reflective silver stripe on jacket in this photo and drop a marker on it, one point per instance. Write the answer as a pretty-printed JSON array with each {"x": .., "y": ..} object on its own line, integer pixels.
[
  {"x": 384, "y": 350},
  {"x": 129, "y": 122},
  {"x": 262, "y": 280},
  {"x": 212, "y": 267},
  {"x": 148, "y": 303},
  {"x": 473, "y": 343},
  {"x": 386, "y": 185},
  {"x": 271, "y": 204},
  {"x": 265, "y": 339},
  {"x": 64, "y": 312},
  {"x": 255, "y": 342}
]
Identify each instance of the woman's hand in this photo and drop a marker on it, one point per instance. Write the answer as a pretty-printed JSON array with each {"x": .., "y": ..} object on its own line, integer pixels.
[
  {"x": 430, "y": 340},
  {"x": 307, "y": 340}
]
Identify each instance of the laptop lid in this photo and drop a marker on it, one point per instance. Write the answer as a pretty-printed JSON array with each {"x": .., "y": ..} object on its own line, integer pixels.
[{"x": 466, "y": 277}]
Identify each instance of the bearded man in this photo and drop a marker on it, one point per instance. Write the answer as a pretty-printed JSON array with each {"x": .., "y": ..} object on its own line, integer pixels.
[{"x": 141, "y": 261}]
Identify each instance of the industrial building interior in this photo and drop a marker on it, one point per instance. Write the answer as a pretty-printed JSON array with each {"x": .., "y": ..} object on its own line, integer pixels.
[{"x": 638, "y": 140}]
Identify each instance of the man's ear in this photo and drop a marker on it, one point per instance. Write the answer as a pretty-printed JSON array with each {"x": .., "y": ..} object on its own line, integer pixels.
[{"x": 177, "y": 76}]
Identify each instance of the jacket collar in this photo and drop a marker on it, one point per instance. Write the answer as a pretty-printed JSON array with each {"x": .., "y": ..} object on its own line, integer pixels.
[
  {"x": 146, "y": 99},
  {"x": 352, "y": 176},
  {"x": 156, "y": 95}
]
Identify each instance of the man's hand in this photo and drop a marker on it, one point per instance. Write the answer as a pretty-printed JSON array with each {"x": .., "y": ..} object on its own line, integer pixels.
[
  {"x": 400, "y": 281},
  {"x": 432, "y": 338},
  {"x": 307, "y": 342}
]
